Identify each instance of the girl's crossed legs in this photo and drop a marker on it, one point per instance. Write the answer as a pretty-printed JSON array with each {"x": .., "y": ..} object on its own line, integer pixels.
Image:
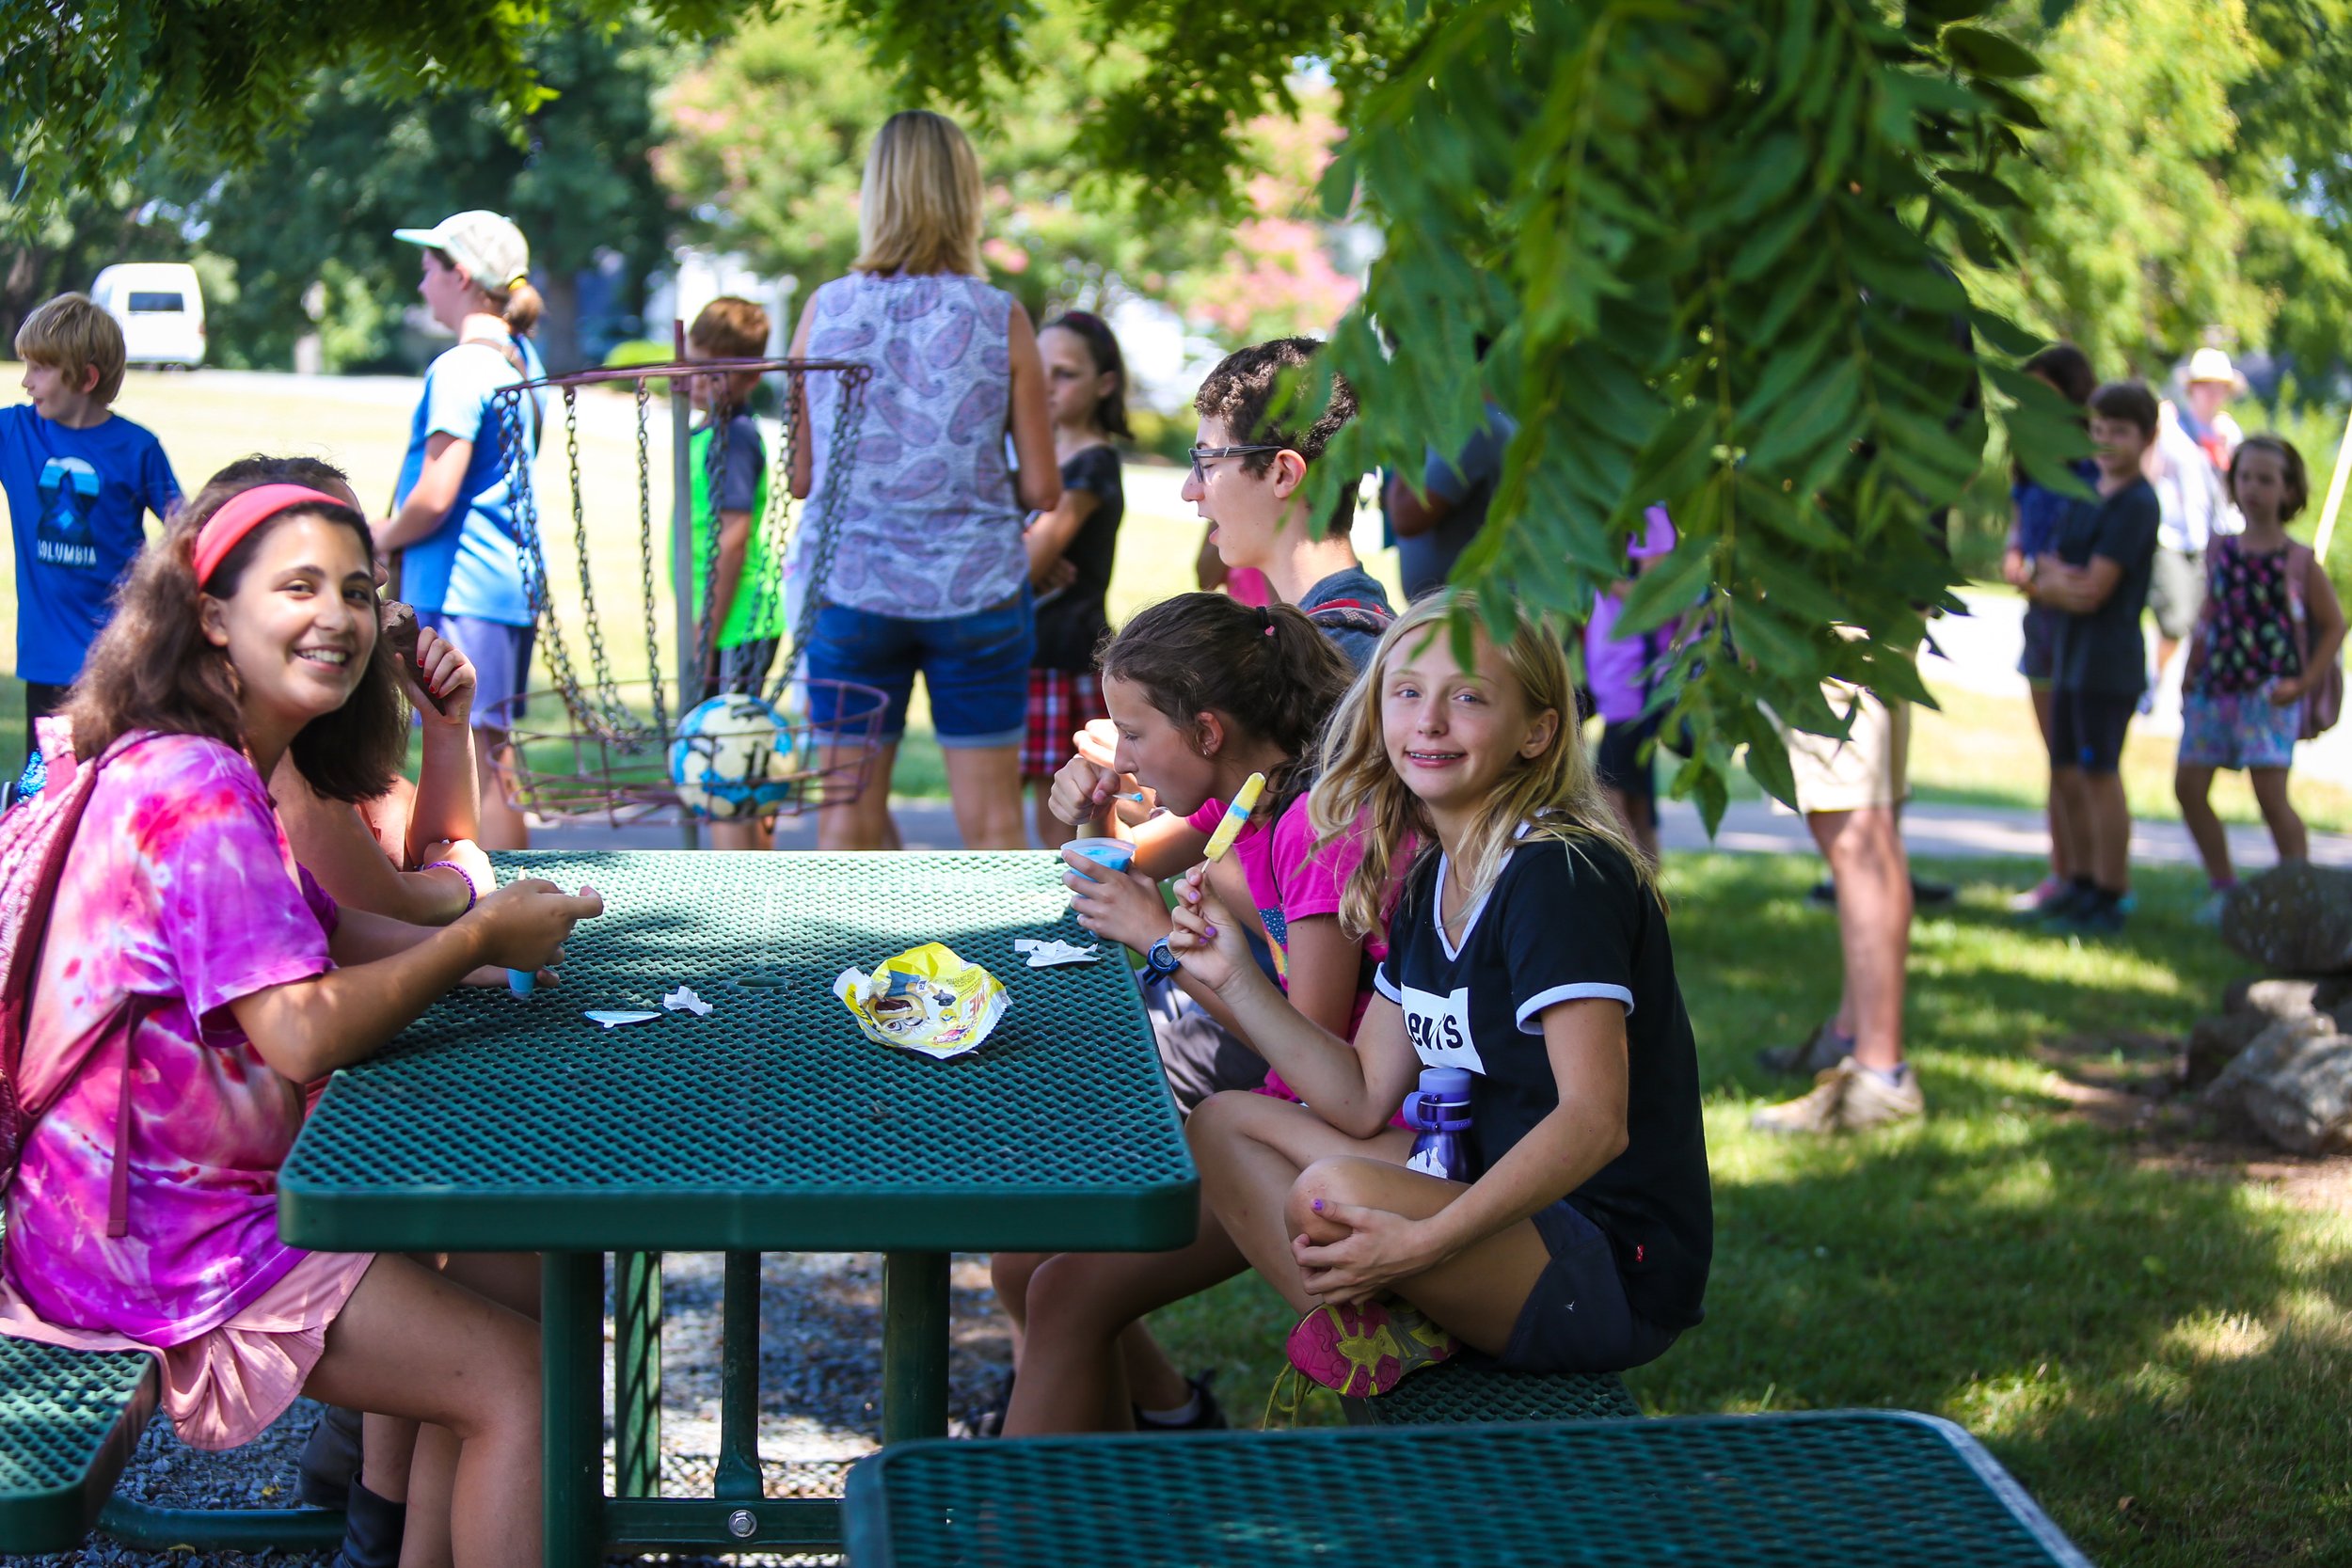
[{"x": 1265, "y": 1163}]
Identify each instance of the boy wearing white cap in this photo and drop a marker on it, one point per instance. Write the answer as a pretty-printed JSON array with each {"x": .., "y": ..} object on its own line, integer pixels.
[{"x": 452, "y": 522}]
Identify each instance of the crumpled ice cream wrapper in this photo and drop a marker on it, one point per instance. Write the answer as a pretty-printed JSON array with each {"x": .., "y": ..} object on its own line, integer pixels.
[{"x": 926, "y": 999}]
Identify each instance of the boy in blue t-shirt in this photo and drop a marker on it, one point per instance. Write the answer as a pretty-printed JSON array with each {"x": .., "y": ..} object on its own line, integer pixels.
[{"x": 79, "y": 480}]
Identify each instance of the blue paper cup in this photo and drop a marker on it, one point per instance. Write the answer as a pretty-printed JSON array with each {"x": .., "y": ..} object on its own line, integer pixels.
[{"x": 1115, "y": 854}]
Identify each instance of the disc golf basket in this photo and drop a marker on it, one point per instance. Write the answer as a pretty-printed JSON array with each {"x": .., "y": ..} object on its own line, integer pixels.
[{"x": 595, "y": 746}]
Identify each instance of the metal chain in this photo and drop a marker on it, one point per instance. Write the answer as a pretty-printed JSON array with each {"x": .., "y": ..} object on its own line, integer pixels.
[
  {"x": 714, "y": 470},
  {"x": 834, "y": 501},
  {"x": 644, "y": 558},
  {"x": 615, "y": 722}
]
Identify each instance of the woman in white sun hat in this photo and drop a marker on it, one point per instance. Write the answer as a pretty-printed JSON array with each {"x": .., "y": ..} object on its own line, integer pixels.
[
  {"x": 452, "y": 522},
  {"x": 2212, "y": 381}
]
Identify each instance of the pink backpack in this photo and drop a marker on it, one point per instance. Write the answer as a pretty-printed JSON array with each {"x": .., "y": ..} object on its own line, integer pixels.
[
  {"x": 2322, "y": 704},
  {"x": 35, "y": 841}
]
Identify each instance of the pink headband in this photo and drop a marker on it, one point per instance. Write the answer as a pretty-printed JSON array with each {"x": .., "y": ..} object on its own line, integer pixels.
[{"x": 245, "y": 512}]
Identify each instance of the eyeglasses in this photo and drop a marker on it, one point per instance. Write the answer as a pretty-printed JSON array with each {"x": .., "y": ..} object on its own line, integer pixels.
[{"x": 1210, "y": 454}]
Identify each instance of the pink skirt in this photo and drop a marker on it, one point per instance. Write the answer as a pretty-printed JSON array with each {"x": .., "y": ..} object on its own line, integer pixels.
[{"x": 224, "y": 1388}]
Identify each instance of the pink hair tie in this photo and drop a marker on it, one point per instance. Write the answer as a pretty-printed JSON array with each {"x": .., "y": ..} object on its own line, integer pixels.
[{"x": 245, "y": 512}]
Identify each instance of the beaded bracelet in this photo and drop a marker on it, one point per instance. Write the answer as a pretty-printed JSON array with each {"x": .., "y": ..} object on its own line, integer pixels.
[{"x": 474, "y": 893}]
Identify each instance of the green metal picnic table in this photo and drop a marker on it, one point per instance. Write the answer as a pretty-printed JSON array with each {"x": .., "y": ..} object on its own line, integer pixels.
[
  {"x": 1882, "y": 1487},
  {"x": 504, "y": 1124}
]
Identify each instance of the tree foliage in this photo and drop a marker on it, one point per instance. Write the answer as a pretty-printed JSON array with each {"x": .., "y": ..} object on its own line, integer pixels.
[
  {"x": 766, "y": 140},
  {"x": 98, "y": 88}
]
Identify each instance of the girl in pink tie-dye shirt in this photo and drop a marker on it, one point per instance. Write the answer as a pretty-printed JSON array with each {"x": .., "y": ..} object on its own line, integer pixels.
[{"x": 219, "y": 978}]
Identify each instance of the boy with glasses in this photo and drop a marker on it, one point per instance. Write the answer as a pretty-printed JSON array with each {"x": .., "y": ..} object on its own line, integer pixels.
[{"x": 1248, "y": 479}]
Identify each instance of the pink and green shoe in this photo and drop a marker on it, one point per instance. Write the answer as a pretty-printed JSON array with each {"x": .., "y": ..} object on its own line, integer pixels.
[{"x": 1367, "y": 1348}]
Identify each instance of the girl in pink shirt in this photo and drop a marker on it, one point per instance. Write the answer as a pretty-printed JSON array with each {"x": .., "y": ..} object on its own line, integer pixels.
[
  {"x": 1203, "y": 693},
  {"x": 219, "y": 978}
]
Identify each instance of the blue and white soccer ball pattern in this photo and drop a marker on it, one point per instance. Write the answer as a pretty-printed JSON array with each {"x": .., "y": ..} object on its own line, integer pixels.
[{"x": 733, "y": 757}]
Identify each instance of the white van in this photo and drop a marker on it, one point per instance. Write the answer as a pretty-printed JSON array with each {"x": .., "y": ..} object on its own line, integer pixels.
[{"x": 160, "y": 310}]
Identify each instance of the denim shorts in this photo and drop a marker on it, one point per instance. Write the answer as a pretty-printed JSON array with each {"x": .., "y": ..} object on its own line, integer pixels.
[{"x": 975, "y": 667}]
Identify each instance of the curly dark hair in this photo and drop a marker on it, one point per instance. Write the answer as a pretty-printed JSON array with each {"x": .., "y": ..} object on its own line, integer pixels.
[
  {"x": 153, "y": 668},
  {"x": 1270, "y": 670},
  {"x": 1241, "y": 391}
]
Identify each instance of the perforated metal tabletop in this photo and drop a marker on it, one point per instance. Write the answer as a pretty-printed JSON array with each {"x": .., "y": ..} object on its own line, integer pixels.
[
  {"x": 1887, "y": 1488},
  {"x": 771, "y": 1123}
]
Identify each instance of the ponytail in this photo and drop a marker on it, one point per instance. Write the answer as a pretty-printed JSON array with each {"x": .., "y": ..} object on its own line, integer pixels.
[
  {"x": 520, "y": 307},
  {"x": 1269, "y": 670}
]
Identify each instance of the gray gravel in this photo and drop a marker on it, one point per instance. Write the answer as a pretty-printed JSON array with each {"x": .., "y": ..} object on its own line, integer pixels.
[{"x": 820, "y": 1400}]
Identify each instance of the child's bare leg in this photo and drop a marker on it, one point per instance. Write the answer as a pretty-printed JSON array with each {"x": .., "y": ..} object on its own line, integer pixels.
[
  {"x": 1010, "y": 1273},
  {"x": 385, "y": 1444},
  {"x": 2110, "y": 816},
  {"x": 426, "y": 1543},
  {"x": 1477, "y": 1294},
  {"x": 412, "y": 1343},
  {"x": 2061, "y": 837},
  {"x": 1084, "y": 1309},
  {"x": 2070, "y": 792},
  {"x": 2192, "y": 785},
  {"x": 1251, "y": 1149},
  {"x": 2285, "y": 823}
]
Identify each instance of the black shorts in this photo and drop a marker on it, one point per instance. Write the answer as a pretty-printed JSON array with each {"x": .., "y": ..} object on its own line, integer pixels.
[
  {"x": 1200, "y": 1055},
  {"x": 2087, "y": 730},
  {"x": 1576, "y": 1318},
  {"x": 1618, "y": 762}
]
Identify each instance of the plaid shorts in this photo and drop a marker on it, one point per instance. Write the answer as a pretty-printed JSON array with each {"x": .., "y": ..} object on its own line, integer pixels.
[{"x": 1061, "y": 702}]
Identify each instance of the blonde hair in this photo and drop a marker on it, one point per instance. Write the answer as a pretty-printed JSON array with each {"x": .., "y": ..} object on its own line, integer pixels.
[
  {"x": 919, "y": 208},
  {"x": 71, "y": 333},
  {"x": 1555, "y": 791}
]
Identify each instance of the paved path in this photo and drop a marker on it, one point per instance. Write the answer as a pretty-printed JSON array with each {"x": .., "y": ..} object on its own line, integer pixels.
[{"x": 1750, "y": 826}]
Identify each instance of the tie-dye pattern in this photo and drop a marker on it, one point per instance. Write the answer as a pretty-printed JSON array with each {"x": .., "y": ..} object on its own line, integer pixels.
[{"x": 180, "y": 888}]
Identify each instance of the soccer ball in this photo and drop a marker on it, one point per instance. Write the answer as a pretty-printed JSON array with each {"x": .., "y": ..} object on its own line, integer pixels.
[{"x": 733, "y": 758}]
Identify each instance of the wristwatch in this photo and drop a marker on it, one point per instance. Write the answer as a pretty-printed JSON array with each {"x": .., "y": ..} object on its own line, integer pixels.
[{"x": 1158, "y": 962}]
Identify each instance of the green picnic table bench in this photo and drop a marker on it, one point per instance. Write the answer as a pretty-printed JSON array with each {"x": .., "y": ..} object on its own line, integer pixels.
[
  {"x": 1887, "y": 1488},
  {"x": 771, "y": 1125},
  {"x": 1473, "y": 1389},
  {"x": 68, "y": 1420}
]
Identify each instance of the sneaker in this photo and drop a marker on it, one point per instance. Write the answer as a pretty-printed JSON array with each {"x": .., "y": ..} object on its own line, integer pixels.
[
  {"x": 1848, "y": 1097},
  {"x": 1924, "y": 894},
  {"x": 2062, "y": 910},
  {"x": 2031, "y": 903},
  {"x": 2100, "y": 917},
  {"x": 1368, "y": 1346},
  {"x": 2209, "y": 909},
  {"x": 1824, "y": 1049},
  {"x": 1207, "y": 1415}
]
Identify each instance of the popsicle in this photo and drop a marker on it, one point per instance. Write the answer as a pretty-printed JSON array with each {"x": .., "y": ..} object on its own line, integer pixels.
[{"x": 1236, "y": 816}]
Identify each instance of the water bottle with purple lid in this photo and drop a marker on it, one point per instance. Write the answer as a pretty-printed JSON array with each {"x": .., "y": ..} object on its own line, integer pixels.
[{"x": 1438, "y": 1113}]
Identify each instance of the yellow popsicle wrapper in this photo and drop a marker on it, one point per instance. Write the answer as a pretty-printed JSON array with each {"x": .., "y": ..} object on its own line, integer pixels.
[
  {"x": 1236, "y": 816},
  {"x": 926, "y": 999}
]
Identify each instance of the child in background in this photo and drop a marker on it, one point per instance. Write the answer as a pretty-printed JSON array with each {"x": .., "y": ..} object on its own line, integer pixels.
[
  {"x": 1530, "y": 948},
  {"x": 747, "y": 607},
  {"x": 2270, "y": 621},
  {"x": 1248, "y": 479},
  {"x": 2065, "y": 369},
  {"x": 2096, "y": 574},
  {"x": 79, "y": 480},
  {"x": 185, "y": 937},
  {"x": 1072, "y": 548},
  {"x": 1620, "y": 671},
  {"x": 453, "y": 519},
  {"x": 1203, "y": 693}
]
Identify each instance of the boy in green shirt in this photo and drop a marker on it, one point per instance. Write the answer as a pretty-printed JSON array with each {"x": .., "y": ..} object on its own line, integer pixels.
[{"x": 727, "y": 469}]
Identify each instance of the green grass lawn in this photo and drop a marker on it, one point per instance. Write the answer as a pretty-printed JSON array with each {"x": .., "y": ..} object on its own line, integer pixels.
[{"x": 2154, "y": 1340}]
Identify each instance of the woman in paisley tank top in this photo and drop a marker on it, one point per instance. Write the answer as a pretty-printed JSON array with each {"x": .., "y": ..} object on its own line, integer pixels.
[{"x": 930, "y": 576}]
